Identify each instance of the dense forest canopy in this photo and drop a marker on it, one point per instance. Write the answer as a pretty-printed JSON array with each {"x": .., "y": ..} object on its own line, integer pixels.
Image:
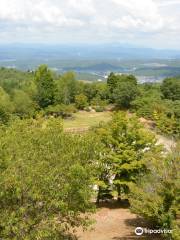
[{"x": 27, "y": 94}]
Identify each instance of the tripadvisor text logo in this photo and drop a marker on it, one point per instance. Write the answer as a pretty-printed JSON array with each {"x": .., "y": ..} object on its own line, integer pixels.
[{"x": 140, "y": 231}]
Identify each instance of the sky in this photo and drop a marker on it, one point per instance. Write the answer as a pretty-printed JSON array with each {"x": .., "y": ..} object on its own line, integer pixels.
[{"x": 151, "y": 23}]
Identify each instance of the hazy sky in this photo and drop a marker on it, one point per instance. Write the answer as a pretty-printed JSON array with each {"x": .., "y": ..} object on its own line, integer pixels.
[{"x": 154, "y": 23}]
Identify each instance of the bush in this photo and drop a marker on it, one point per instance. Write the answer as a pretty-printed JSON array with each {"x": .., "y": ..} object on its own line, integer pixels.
[
  {"x": 98, "y": 102},
  {"x": 60, "y": 110},
  {"x": 99, "y": 109},
  {"x": 87, "y": 109},
  {"x": 81, "y": 101}
]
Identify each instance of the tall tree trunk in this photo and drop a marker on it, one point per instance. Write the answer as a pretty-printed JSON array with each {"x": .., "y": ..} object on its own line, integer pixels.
[
  {"x": 119, "y": 192},
  {"x": 99, "y": 195}
]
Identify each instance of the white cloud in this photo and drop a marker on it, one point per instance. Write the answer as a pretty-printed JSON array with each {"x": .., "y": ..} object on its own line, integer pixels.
[
  {"x": 142, "y": 15},
  {"x": 167, "y": 3},
  {"x": 144, "y": 21}
]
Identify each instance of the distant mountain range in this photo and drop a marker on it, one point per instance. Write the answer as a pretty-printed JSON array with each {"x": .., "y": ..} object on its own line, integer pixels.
[
  {"x": 100, "y": 67},
  {"x": 104, "y": 51},
  {"x": 96, "y": 60}
]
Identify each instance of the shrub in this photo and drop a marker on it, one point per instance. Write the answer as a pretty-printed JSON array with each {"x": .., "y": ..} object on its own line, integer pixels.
[
  {"x": 81, "y": 101},
  {"x": 99, "y": 109},
  {"x": 60, "y": 110}
]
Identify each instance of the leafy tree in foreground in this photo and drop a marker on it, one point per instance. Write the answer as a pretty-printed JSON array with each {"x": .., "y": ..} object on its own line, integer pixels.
[
  {"x": 45, "y": 180},
  {"x": 156, "y": 197},
  {"x": 45, "y": 86},
  {"x": 126, "y": 144}
]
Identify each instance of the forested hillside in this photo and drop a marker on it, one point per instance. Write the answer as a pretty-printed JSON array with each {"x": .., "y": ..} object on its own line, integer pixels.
[{"x": 51, "y": 177}]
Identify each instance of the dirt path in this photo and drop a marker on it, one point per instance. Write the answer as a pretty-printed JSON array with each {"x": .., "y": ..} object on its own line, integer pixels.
[
  {"x": 168, "y": 143},
  {"x": 114, "y": 223}
]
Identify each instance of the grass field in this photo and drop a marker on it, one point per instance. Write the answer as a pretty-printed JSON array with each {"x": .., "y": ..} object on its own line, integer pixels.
[{"x": 84, "y": 119}]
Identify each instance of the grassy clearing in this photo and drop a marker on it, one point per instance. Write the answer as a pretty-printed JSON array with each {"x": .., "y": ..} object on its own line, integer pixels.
[{"x": 84, "y": 119}]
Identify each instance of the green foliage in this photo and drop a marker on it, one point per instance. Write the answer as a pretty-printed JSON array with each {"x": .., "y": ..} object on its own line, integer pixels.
[
  {"x": 45, "y": 86},
  {"x": 148, "y": 101},
  {"x": 30, "y": 88},
  {"x": 102, "y": 91},
  {"x": 6, "y": 106},
  {"x": 99, "y": 109},
  {"x": 162, "y": 185},
  {"x": 60, "y": 110},
  {"x": 90, "y": 91},
  {"x": 11, "y": 79},
  {"x": 96, "y": 90},
  {"x": 123, "y": 89},
  {"x": 81, "y": 101},
  {"x": 112, "y": 82},
  {"x": 124, "y": 94},
  {"x": 45, "y": 180},
  {"x": 97, "y": 101},
  {"x": 67, "y": 87},
  {"x": 171, "y": 88},
  {"x": 126, "y": 144},
  {"x": 168, "y": 119},
  {"x": 165, "y": 113},
  {"x": 23, "y": 104}
]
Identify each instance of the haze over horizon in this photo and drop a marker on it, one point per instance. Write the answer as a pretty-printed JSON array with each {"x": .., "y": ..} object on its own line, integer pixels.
[{"x": 150, "y": 23}]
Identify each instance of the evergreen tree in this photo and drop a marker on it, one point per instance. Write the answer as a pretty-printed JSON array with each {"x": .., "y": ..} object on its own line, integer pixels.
[{"x": 45, "y": 86}]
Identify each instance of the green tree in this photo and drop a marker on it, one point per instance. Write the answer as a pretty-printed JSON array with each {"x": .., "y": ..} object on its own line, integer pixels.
[
  {"x": 6, "y": 106},
  {"x": 125, "y": 93},
  {"x": 46, "y": 180},
  {"x": 126, "y": 144},
  {"x": 23, "y": 104},
  {"x": 112, "y": 82},
  {"x": 167, "y": 117},
  {"x": 81, "y": 101},
  {"x": 90, "y": 90},
  {"x": 123, "y": 89},
  {"x": 67, "y": 88},
  {"x": 45, "y": 86},
  {"x": 102, "y": 91},
  {"x": 171, "y": 88}
]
